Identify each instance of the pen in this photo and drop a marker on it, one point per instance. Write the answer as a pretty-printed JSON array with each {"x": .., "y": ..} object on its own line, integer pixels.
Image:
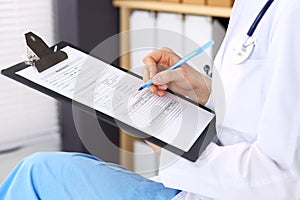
[{"x": 183, "y": 60}]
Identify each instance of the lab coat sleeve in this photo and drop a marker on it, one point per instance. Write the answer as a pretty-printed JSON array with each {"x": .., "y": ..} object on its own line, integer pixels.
[{"x": 269, "y": 167}]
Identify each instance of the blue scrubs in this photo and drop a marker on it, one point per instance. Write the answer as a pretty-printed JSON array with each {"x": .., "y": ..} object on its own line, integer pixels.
[{"x": 77, "y": 176}]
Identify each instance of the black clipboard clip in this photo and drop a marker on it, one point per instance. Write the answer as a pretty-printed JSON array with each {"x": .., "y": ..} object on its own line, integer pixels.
[{"x": 40, "y": 55}]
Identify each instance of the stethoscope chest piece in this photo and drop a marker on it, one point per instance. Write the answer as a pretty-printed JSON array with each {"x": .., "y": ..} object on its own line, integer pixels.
[{"x": 242, "y": 50}]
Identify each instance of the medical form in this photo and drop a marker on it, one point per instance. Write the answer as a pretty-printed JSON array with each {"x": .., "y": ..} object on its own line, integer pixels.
[{"x": 109, "y": 90}]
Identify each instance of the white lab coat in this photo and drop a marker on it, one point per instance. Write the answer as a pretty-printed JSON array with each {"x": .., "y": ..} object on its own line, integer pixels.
[{"x": 260, "y": 158}]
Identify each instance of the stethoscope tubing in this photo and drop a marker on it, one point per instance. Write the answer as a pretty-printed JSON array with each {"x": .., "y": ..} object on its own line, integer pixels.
[{"x": 259, "y": 17}]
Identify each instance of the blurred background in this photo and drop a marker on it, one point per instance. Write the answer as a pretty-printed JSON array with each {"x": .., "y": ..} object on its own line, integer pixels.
[{"x": 32, "y": 122}]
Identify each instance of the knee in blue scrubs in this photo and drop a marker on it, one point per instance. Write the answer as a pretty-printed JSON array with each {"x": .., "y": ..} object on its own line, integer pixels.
[{"x": 78, "y": 176}]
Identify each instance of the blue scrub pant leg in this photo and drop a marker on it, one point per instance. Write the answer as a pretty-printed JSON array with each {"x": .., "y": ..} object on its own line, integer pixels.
[{"x": 77, "y": 176}]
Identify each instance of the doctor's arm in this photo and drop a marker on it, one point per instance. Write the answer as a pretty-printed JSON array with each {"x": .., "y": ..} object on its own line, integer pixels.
[{"x": 268, "y": 168}]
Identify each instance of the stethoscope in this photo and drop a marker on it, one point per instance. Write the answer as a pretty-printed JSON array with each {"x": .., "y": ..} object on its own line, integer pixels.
[{"x": 242, "y": 52}]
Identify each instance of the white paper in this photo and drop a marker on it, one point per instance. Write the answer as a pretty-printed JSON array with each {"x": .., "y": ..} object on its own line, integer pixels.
[{"x": 111, "y": 91}]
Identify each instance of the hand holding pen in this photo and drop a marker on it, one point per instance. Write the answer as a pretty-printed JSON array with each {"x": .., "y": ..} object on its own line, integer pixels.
[
  {"x": 180, "y": 77},
  {"x": 183, "y": 61}
]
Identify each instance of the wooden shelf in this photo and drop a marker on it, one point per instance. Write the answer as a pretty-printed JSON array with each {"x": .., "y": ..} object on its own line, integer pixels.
[{"x": 213, "y": 11}]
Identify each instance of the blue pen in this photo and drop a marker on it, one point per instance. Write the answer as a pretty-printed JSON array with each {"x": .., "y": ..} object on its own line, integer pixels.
[{"x": 183, "y": 60}]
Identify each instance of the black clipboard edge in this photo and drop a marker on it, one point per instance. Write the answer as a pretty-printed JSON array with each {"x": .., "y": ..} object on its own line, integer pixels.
[{"x": 207, "y": 136}]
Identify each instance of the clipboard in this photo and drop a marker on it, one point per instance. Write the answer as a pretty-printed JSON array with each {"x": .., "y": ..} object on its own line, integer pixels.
[{"x": 206, "y": 137}]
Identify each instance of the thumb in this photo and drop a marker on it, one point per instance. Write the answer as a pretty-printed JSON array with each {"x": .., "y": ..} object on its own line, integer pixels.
[{"x": 166, "y": 77}]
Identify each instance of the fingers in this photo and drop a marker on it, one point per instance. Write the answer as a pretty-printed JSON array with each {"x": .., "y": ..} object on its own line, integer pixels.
[
  {"x": 162, "y": 87},
  {"x": 162, "y": 79},
  {"x": 158, "y": 90},
  {"x": 146, "y": 74},
  {"x": 164, "y": 58},
  {"x": 152, "y": 88},
  {"x": 149, "y": 71},
  {"x": 155, "y": 62},
  {"x": 165, "y": 77},
  {"x": 150, "y": 67}
]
